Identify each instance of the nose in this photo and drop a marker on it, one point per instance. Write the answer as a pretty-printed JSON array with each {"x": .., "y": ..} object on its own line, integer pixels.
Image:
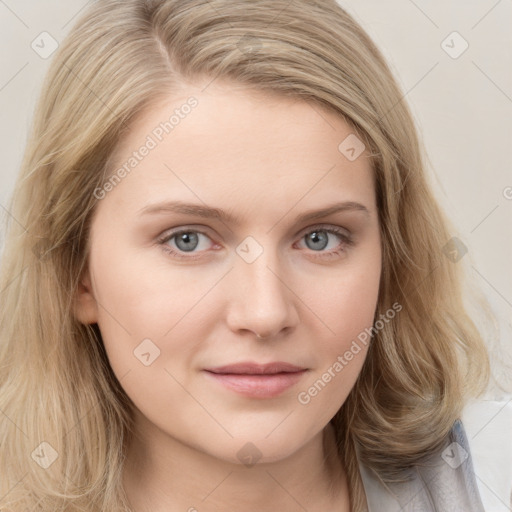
[{"x": 261, "y": 299}]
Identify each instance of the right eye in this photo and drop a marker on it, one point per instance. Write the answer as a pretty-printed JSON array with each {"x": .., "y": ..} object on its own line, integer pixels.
[{"x": 183, "y": 241}]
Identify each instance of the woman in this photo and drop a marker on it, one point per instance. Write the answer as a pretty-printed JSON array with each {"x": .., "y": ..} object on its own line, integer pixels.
[{"x": 311, "y": 352}]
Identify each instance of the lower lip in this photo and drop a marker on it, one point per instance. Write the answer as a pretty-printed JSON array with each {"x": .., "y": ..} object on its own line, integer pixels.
[{"x": 258, "y": 386}]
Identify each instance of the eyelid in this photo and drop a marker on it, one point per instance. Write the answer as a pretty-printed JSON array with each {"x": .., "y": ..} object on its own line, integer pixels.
[
  {"x": 170, "y": 233},
  {"x": 325, "y": 226},
  {"x": 203, "y": 230}
]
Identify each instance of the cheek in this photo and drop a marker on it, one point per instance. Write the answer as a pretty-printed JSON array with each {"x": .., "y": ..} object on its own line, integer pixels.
[
  {"x": 346, "y": 308},
  {"x": 346, "y": 303},
  {"x": 146, "y": 321},
  {"x": 326, "y": 390},
  {"x": 137, "y": 301}
]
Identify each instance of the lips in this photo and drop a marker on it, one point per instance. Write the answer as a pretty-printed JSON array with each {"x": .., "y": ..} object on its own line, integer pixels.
[
  {"x": 257, "y": 380},
  {"x": 250, "y": 368}
]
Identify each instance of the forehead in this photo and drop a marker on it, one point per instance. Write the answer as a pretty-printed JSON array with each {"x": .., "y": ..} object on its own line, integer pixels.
[{"x": 236, "y": 143}]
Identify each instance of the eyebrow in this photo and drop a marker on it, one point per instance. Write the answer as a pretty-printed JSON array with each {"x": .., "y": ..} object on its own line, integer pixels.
[{"x": 210, "y": 212}]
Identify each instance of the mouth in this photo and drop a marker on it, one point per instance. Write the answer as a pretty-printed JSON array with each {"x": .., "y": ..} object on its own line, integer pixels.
[
  {"x": 257, "y": 380},
  {"x": 251, "y": 368}
]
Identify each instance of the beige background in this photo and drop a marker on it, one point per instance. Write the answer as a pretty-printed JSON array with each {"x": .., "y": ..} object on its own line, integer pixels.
[{"x": 463, "y": 109}]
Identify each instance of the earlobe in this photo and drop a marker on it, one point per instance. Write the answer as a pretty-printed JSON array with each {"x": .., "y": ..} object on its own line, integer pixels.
[{"x": 85, "y": 307}]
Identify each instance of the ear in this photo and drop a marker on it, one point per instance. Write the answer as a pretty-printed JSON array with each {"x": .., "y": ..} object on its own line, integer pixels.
[{"x": 85, "y": 306}]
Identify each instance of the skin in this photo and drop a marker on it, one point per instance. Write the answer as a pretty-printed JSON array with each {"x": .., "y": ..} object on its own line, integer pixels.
[{"x": 266, "y": 159}]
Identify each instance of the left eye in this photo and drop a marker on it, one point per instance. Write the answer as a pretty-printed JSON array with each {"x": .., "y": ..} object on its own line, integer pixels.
[{"x": 317, "y": 240}]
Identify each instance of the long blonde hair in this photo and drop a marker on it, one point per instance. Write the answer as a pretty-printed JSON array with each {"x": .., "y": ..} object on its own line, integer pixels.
[{"x": 58, "y": 394}]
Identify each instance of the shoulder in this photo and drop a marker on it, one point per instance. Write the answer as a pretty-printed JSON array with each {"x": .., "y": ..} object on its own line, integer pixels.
[{"x": 444, "y": 481}]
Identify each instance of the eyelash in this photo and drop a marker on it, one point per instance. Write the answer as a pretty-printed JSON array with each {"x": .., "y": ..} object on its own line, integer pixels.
[{"x": 346, "y": 242}]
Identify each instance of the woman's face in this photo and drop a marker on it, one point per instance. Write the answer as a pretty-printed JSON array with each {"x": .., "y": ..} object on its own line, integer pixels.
[{"x": 234, "y": 172}]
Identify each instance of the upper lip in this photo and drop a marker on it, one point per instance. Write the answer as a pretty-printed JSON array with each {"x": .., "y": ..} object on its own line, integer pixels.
[{"x": 250, "y": 368}]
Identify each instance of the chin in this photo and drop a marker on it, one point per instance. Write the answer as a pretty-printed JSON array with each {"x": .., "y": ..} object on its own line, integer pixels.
[{"x": 249, "y": 450}]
